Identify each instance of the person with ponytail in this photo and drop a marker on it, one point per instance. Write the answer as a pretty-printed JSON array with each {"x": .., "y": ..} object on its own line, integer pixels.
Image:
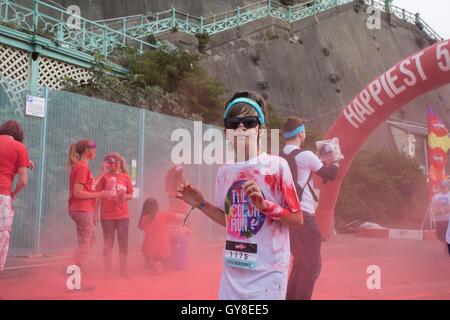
[
  {"x": 114, "y": 211},
  {"x": 82, "y": 196}
]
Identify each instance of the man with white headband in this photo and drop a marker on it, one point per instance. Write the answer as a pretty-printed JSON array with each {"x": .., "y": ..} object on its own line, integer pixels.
[{"x": 306, "y": 239}]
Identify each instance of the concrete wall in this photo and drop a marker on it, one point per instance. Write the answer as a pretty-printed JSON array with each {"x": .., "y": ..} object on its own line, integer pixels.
[
  {"x": 297, "y": 75},
  {"x": 104, "y": 9}
]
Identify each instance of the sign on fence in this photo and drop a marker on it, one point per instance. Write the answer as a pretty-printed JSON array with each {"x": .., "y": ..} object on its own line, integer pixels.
[{"x": 35, "y": 106}]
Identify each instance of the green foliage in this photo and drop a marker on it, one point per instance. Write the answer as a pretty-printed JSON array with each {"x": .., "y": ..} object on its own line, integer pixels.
[
  {"x": 202, "y": 96},
  {"x": 203, "y": 39},
  {"x": 383, "y": 187},
  {"x": 163, "y": 68},
  {"x": 169, "y": 82}
]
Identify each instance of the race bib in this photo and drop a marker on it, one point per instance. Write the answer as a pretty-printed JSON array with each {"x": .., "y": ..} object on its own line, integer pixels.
[{"x": 241, "y": 255}]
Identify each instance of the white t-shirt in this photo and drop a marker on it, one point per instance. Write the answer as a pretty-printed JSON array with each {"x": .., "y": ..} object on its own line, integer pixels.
[
  {"x": 264, "y": 274},
  {"x": 441, "y": 203},
  {"x": 306, "y": 162}
]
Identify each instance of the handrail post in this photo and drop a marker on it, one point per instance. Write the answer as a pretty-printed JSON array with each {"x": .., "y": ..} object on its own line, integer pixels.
[
  {"x": 387, "y": 6},
  {"x": 173, "y": 18},
  {"x": 290, "y": 14},
  {"x": 269, "y": 6},
  {"x": 61, "y": 32},
  {"x": 315, "y": 7},
  {"x": 201, "y": 24},
  {"x": 35, "y": 15},
  {"x": 105, "y": 43},
  {"x": 156, "y": 29},
  {"x": 84, "y": 34},
  {"x": 7, "y": 10},
  {"x": 404, "y": 14},
  {"x": 417, "y": 18},
  {"x": 238, "y": 16},
  {"x": 124, "y": 31}
]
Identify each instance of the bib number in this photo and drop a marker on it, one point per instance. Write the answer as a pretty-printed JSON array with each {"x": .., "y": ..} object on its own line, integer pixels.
[{"x": 241, "y": 255}]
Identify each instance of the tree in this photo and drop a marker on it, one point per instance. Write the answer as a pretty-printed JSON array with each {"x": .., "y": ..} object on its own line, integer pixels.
[{"x": 384, "y": 187}]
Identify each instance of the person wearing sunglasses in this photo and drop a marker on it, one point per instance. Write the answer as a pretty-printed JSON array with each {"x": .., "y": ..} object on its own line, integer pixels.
[
  {"x": 256, "y": 201},
  {"x": 82, "y": 196}
]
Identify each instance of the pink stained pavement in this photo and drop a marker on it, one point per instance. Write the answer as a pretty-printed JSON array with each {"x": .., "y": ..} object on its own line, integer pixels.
[{"x": 409, "y": 270}]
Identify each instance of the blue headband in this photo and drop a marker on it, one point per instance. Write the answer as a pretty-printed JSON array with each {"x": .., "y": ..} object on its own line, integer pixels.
[
  {"x": 294, "y": 132},
  {"x": 249, "y": 102}
]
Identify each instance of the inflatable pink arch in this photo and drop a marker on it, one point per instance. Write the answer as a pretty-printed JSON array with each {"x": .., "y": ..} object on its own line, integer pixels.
[{"x": 407, "y": 80}]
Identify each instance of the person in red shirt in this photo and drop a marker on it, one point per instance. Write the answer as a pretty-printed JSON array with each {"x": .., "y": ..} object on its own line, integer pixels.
[
  {"x": 13, "y": 160},
  {"x": 156, "y": 244},
  {"x": 82, "y": 196},
  {"x": 114, "y": 211}
]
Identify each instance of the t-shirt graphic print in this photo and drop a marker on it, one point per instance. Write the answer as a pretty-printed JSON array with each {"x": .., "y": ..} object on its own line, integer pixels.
[{"x": 243, "y": 218}]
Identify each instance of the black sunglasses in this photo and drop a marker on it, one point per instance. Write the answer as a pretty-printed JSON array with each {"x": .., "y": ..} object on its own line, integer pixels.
[{"x": 248, "y": 122}]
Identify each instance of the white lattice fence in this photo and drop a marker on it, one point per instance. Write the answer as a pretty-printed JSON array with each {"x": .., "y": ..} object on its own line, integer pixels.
[
  {"x": 52, "y": 72},
  {"x": 14, "y": 74}
]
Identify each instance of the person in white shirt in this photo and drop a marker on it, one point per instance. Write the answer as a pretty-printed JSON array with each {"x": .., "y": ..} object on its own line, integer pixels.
[
  {"x": 305, "y": 240},
  {"x": 440, "y": 205},
  {"x": 255, "y": 199}
]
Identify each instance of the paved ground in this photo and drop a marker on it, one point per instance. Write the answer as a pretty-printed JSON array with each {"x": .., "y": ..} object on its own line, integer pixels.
[{"x": 409, "y": 270}]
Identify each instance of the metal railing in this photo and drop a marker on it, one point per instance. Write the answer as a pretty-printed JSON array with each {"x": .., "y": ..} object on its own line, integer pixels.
[
  {"x": 84, "y": 35},
  {"x": 106, "y": 35},
  {"x": 413, "y": 18},
  {"x": 143, "y": 25}
]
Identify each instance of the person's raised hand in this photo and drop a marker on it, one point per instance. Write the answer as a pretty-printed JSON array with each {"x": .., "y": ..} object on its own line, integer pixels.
[
  {"x": 253, "y": 192},
  {"x": 189, "y": 194},
  {"x": 105, "y": 166}
]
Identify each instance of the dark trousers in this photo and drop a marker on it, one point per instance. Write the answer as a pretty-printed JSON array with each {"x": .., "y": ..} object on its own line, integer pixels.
[
  {"x": 305, "y": 241},
  {"x": 110, "y": 227},
  {"x": 441, "y": 230}
]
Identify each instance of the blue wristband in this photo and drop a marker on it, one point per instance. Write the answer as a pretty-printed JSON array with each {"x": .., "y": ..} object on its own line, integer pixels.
[{"x": 202, "y": 204}]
